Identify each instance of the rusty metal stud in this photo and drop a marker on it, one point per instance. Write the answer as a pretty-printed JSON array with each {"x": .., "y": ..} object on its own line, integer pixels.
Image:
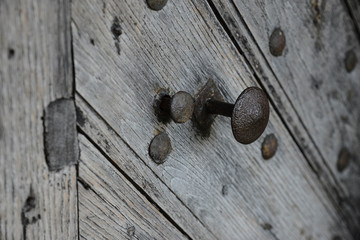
[
  {"x": 160, "y": 147},
  {"x": 269, "y": 146},
  {"x": 343, "y": 159},
  {"x": 180, "y": 107},
  {"x": 249, "y": 115},
  {"x": 156, "y": 5},
  {"x": 277, "y": 42},
  {"x": 350, "y": 60}
]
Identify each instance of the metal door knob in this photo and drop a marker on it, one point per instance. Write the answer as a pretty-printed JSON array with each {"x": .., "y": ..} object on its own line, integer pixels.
[{"x": 249, "y": 115}]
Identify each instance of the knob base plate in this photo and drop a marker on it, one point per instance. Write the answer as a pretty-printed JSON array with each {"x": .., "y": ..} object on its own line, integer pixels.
[{"x": 202, "y": 118}]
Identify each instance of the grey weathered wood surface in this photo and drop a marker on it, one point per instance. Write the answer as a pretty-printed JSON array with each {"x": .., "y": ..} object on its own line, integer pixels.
[
  {"x": 309, "y": 84},
  {"x": 110, "y": 207},
  {"x": 36, "y": 68},
  {"x": 135, "y": 168},
  {"x": 287, "y": 198},
  {"x": 354, "y": 11},
  {"x": 181, "y": 47}
]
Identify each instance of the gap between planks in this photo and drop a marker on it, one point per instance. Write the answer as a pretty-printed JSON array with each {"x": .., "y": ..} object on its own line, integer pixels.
[
  {"x": 335, "y": 190},
  {"x": 137, "y": 187},
  {"x": 204, "y": 233}
]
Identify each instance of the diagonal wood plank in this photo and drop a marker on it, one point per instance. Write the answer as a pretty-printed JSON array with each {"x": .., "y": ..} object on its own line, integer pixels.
[
  {"x": 141, "y": 175},
  {"x": 353, "y": 7},
  {"x": 110, "y": 207},
  {"x": 181, "y": 47},
  {"x": 276, "y": 200},
  {"x": 309, "y": 83},
  {"x": 35, "y": 69}
]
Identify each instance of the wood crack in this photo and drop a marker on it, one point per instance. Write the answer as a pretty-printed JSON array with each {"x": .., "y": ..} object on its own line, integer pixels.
[
  {"x": 138, "y": 188},
  {"x": 155, "y": 55},
  {"x": 352, "y": 14},
  {"x": 292, "y": 129},
  {"x": 135, "y": 153}
]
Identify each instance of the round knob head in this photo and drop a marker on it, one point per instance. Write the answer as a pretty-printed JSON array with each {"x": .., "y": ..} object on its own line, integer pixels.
[
  {"x": 250, "y": 115},
  {"x": 182, "y": 107}
]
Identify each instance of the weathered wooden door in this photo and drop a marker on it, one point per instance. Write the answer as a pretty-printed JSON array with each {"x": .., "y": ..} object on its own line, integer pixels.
[{"x": 78, "y": 85}]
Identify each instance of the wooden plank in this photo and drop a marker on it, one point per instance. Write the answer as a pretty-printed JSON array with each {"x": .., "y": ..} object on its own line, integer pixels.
[
  {"x": 36, "y": 68},
  {"x": 181, "y": 47},
  {"x": 309, "y": 83},
  {"x": 277, "y": 199},
  {"x": 353, "y": 7},
  {"x": 138, "y": 171},
  {"x": 110, "y": 207}
]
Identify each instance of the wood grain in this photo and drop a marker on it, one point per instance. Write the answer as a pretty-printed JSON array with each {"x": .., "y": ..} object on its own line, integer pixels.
[
  {"x": 242, "y": 198},
  {"x": 36, "y": 68},
  {"x": 181, "y": 47},
  {"x": 110, "y": 207},
  {"x": 309, "y": 84},
  {"x": 139, "y": 173},
  {"x": 353, "y": 7}
]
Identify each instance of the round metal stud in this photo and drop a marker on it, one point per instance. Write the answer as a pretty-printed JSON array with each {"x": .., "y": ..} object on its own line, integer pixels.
[
  {"x": 156, "y": 5},
  {"x": 269, "y": 146},
  {"x": 343, "y": 159},
  {"x": 179, "y": 107},
  {"x": 160, "y": 147},
  {"x": 350, "y": 60},
  {"x": 277, "y": 42}
]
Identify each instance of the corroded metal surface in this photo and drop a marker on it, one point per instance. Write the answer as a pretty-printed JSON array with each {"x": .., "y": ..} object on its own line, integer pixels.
[
  {"x": 269, "y": 146},
  {"x": 160, "y": 147},
  {"x": 156, "y": 4},
  {"x": 181, "y": 107},
  {"x": 250, "y": 115},
  {"x": 343, "y": 159},
  {"x": 277, "y": 42},
  {"x": 60, "y": 137},
  {"x": 221, "y": 108},
  {"x": 350, "y": 60},
  {"x": 203, "y": 119}
]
